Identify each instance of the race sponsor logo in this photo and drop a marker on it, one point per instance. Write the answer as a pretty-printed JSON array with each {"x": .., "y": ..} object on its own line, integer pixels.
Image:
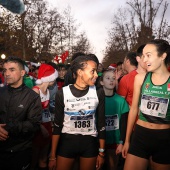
[{"x": 147, "y": 85}]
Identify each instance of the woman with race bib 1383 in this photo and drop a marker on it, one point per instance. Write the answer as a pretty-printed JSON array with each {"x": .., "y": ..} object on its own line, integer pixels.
[{"x": 79, "y": 120}]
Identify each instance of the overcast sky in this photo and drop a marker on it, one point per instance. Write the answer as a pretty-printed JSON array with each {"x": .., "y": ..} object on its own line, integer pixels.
[{"x": 95, "y": 17}]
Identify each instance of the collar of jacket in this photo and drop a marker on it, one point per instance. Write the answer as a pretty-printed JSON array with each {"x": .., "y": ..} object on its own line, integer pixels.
[{"x": 12, "y": 89}]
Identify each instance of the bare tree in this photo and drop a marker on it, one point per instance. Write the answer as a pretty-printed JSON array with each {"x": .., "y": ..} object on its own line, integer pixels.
[
  {"x": 39, "y": 33},
  {"x": 76, "y": 40},
  {"x": 138, "y": 23},
  {"x": 82, "y": 44}
]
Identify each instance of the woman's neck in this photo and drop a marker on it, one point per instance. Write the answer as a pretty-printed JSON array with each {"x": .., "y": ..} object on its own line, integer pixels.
[{"x": 80, "y": 87}]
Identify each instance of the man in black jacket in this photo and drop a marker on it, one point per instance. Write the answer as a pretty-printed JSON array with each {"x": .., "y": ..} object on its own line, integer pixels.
[{"x": 20, "y": 116}]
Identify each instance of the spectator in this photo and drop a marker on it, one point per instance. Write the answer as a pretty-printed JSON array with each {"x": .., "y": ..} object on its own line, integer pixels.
[
  {"x": 20, "y": 115},
  {"x": 125, "y": 86},
  {"x": 62, "y": 70}
]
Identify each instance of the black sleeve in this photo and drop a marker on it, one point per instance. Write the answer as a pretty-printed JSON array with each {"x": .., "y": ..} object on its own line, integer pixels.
[
  {"x": 59, "y": 112},
  {"x": 123, "y": 126},
  {"x": 101, "y": 114},
  {"x": 32, "y": 122}
]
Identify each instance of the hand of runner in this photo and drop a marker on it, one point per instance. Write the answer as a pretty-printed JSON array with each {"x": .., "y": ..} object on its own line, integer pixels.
[
  {"x": 125, "y": 149},
  {"x": 3, "y": 133}
]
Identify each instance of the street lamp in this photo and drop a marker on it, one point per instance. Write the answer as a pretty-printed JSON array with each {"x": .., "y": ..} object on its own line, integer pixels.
[{"x": 3, "y": 56}]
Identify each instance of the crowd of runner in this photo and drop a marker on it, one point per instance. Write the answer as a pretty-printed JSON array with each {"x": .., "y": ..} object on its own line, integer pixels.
[{"x": 85, "y": 116}]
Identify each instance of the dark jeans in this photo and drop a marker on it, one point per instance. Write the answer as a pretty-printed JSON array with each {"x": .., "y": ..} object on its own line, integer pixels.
[{"x": 15, "y": 160}]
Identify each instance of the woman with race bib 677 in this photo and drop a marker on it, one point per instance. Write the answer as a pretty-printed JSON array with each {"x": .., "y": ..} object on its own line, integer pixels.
[{"x": 151, "y": 136}]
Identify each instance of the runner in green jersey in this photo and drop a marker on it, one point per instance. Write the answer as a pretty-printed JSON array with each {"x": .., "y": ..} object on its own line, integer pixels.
[
  {"x": 151, "y": 137},
  {"x": 116, "y": 108}
]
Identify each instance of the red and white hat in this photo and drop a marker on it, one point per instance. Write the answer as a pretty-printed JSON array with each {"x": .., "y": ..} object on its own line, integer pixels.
[
  {"x": 46, "y": 73},
  {"x": 112, "y": 66}
]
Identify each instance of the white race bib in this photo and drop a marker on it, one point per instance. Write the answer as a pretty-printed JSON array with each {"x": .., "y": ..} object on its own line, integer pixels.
[
  {"x": 46, "y": 115},
  {"x": 112, "y": 122},
  {"x": 154, "y": 106},
  {"x": 82, "y": 123}
]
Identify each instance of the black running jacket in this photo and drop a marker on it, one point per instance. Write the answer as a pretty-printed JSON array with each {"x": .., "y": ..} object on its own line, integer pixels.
[{"x": 20, "y": 110}]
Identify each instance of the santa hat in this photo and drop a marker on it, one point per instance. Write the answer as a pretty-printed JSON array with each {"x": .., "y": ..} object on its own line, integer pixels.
[
  {"x": 46, "y": 73},
  {"x": 112, "y": 66}
]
